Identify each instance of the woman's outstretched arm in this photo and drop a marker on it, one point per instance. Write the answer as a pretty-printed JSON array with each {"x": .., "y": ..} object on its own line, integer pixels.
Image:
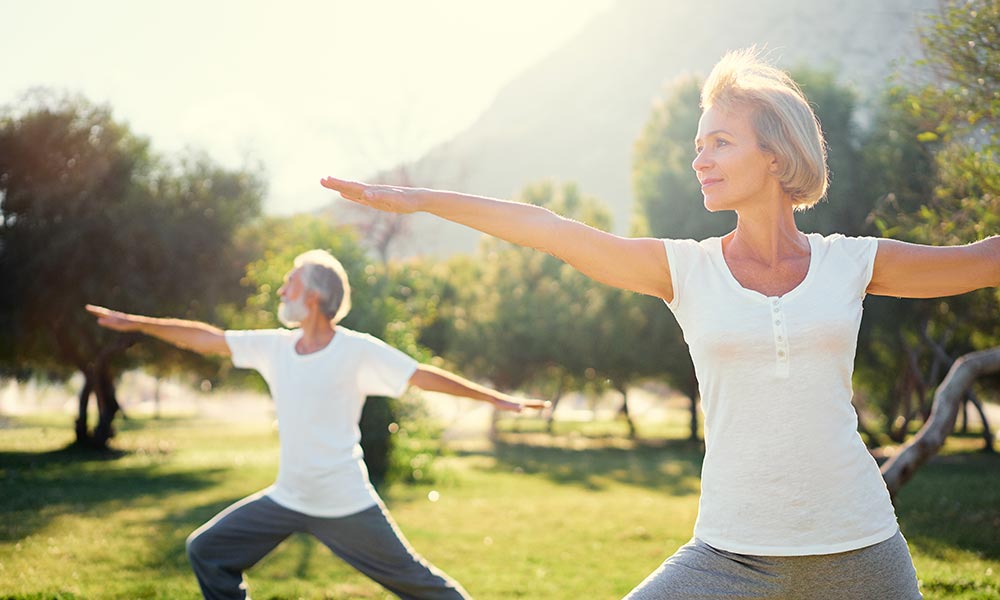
[
  {"x": 637, "y": 264},
  {"x": 907, "y": 270}
]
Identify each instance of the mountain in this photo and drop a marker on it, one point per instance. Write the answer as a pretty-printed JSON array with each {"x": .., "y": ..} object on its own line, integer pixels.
[{"x": 574, "y": 116}]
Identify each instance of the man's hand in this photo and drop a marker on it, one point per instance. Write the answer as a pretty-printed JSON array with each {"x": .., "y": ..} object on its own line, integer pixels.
[
  {"x": 112, "y": 319},
  {"x": 515, "y": 405}
]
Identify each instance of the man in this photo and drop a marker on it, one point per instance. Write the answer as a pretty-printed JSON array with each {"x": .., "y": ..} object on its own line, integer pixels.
[{"x": 319, "y": 375}]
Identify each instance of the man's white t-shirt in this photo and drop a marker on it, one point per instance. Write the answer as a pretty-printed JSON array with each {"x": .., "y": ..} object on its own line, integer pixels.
[
  {"x": 318, "y": 398},
  {"x": 785, "y": 471}
]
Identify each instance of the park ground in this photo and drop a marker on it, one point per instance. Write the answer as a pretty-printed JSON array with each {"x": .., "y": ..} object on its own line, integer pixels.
[{"x": 583, "y": 514}]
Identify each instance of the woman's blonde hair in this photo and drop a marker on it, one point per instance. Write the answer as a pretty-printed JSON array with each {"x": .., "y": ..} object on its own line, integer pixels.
[{"x": 785, "y": 124}]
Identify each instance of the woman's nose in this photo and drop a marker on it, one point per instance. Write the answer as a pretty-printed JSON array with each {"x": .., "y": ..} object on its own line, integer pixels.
[{"x": 700, "y": 162}]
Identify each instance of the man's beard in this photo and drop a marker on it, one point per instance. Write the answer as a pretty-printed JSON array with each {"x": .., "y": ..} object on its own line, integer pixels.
[{"x": 292, "y": 313}]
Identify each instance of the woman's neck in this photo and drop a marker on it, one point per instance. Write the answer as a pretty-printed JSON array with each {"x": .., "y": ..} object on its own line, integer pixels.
[{"x": 766, "y": 234}]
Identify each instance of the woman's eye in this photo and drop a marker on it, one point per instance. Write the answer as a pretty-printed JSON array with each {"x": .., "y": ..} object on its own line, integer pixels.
[{"x": 721, "y": 142}]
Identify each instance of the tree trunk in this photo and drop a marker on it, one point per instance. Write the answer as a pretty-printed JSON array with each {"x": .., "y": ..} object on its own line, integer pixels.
[
  {"x": 863, "y": 429},
  {"x": 156, "y": 399},
  {"x": 632, "y": 434},
  {"x": 82, "y": 435},
  {"x": 970, "y": 396},
  {"x": 550, "y": 420},
  {"x": 692, "y": 393},
  {"x": 901, "y": 424},
  {"x": 943, "y": 357},
  {"x": 107, "y": 406},
  {"x": 928, "y": 441}
]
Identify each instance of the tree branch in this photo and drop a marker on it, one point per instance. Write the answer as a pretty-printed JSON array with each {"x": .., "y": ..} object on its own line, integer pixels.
[{"x": 928, "y": 441}]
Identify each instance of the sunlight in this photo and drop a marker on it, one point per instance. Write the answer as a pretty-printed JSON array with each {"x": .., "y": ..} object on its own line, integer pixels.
[{"x": 312, "y": 86}]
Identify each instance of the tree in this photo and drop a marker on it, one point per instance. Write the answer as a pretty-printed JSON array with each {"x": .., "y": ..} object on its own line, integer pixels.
[
  {"x": 90, "y": 214},
  {"x": 520, "y": 318},
  {"x": 668, "y": 197},
  {"x": 519, "y": 305},
  {"x": 901, "y": 467},
  {"x": 946, "y": 190},
  {"x": 898, "y": 176}
]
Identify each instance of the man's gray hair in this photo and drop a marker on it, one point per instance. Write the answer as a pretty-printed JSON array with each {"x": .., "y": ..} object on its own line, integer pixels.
[{"x": 323, "y": 274}]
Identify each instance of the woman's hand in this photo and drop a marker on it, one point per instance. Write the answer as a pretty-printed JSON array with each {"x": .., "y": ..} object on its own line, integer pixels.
[{"x": 381, "y": 197}]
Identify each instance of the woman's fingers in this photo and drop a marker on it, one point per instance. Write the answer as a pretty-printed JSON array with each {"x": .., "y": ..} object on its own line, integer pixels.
[
  {"x": 352, "y": 190},
  {"x": 380, "y": 197}
]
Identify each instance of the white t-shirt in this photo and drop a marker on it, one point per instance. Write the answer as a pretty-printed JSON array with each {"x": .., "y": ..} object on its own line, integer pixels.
[
  {"x": 785, "y": 470},
  {"x": 318, "y": 398}
]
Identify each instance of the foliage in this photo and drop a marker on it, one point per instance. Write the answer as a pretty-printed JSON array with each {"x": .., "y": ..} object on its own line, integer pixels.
[
  {"x": 668, "y": 198},
  {"x": 91, "y": 214},
  {"x": 521, "y": 317},
  {"x": 934, "y": 155},
  {"x": 848, "y": 203}
]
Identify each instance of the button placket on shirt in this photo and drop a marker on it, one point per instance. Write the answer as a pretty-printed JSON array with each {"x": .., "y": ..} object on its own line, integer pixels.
[{"x": 780, "y": 338}]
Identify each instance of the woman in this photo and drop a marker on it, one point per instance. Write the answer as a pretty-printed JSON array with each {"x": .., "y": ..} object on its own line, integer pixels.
[{"x": 792, "y": 504}]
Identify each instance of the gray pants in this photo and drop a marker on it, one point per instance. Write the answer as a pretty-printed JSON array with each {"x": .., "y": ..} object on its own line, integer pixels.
[
  {"x": 369, "y": 541},
  {"x": 698, "y": 571}
]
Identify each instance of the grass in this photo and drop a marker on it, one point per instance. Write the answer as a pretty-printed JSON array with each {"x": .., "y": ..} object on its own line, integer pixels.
[{"x": 576, "y": 516}]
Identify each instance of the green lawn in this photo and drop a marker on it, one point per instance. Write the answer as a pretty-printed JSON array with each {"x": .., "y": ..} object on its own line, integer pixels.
[{"x": 577, "y": 516}]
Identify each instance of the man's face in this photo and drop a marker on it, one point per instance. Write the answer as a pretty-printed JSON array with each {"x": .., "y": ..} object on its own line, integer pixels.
[{"x": 292, "y": 310}]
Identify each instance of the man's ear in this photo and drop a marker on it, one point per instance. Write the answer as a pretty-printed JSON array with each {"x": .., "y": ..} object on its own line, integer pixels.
[{"x": 311, "y": 299}]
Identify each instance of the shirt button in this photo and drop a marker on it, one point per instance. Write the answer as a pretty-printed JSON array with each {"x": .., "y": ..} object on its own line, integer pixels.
[
  {"x": 777, "y": 321},
  {"x": 781, "y": 352}
]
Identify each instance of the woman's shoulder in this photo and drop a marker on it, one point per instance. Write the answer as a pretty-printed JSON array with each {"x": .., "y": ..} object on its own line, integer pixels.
[
  {"x": 840, "y": 247},
  {"x": 688, "y": 245},
  {"x": 840, "y": 240}
]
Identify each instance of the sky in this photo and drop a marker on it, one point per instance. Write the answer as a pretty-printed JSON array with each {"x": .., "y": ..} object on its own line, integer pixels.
[{"x": 304, "y": 88}]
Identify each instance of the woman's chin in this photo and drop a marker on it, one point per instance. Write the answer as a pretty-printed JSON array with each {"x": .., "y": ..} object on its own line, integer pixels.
[{"x": 713, "y": 205}]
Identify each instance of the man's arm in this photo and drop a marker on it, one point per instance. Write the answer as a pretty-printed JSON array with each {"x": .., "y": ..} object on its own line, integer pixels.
[
  {"x": 433, "y": 379},
  {"x": 190, "y": 335}
]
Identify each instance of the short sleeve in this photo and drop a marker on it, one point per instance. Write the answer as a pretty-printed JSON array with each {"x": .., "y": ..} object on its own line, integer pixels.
[
  {"x": 860, "y": 251},
  {"x": 870, "y": 250},
  {"x": 384, "y": 370},
  {"x": 680, "y": 256},
  {"x": 253, "y": 349}
]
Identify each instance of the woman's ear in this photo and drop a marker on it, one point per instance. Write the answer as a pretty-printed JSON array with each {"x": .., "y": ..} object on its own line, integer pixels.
[{"x": 774, "y": 166}]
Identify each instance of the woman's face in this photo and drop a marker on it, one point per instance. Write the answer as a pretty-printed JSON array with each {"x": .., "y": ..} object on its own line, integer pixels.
[{"x": 732, "y": 168}]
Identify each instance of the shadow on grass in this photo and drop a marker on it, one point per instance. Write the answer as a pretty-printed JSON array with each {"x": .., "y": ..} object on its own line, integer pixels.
[
  {"x": 671, "y": 466},
  {"x": 36, "y": 487},
  {"x": 953, "y": 502}
]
